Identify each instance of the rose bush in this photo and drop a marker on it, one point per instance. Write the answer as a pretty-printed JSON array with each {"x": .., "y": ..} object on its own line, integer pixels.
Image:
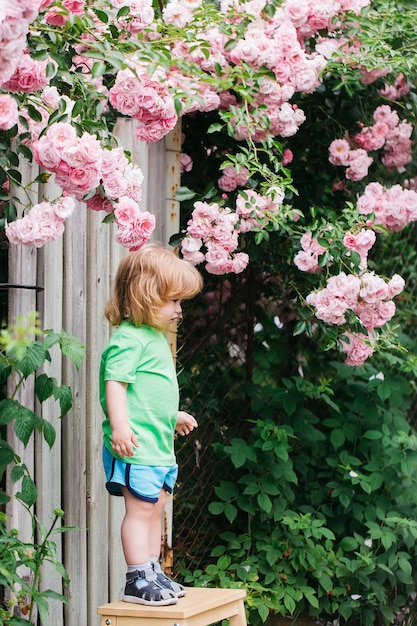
[{"x": 70, "y": 68}]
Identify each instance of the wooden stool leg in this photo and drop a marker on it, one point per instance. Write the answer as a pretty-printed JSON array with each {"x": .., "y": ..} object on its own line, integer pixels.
[{"x": 240, "y": 618}]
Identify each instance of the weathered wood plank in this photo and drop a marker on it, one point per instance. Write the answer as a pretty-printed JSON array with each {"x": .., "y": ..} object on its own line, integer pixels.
[
  {"x": 48, "y": 461},
  {"x": 21, "y": 301},
  {"x": 75, "y": 313}
]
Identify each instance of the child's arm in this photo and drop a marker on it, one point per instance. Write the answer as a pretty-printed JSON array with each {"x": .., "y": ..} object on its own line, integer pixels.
[
  {"x": 185, "y": 423},
  {"x": 123, "y": 438}
]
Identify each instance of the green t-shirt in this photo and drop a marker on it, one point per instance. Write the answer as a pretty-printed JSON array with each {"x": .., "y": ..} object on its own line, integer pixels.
[{"x": 140, "y": 357}]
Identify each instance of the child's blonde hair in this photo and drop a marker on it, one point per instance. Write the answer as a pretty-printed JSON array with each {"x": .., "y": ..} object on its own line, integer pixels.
[{"x": 146, "y": 280}]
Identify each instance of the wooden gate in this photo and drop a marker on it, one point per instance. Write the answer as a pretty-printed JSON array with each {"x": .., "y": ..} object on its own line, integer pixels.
[{"x": 69, "y": 282}]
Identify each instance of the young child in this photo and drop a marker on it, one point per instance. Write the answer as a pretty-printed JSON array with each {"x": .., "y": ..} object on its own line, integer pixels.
[{"x": 139, "y": 396}]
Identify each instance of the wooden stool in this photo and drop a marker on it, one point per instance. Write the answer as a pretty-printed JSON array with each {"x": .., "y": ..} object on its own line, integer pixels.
[{"x": 200, "y": 607}]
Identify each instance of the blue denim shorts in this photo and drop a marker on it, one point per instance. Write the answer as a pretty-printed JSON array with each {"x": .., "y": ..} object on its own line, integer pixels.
[{"x": 144, "y": 481}]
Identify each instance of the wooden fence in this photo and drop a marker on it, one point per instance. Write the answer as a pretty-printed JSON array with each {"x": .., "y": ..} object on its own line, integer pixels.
[{"x": 68, "y": 282}]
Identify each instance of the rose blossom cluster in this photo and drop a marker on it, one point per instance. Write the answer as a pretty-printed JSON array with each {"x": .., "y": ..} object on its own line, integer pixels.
[
  {"x": 307, "y": 259},
  {"x": 368, "y": 296},
  {"x": 257, "y": 211},
  {"x": 393, "y": 207},
  {"x": 356, "y": 160},
  {"x": 82, "y": 167},
  {"x": 358, "y": 347},
  {"x": 48, "y": 101},
  {"x": 397, "y": 90},
  {"x": 135, "y": 226},
  {"x": 146, "y": 100},
  {"x": 119, "y": 178},
  {"x": 213, "y": 231},
  {"x": 29, "y": 76},
  {"x": 42, "y": 224},
  {"x": 75, "y": 161},
  {"x": 278, "y": 43},
  {"x": 387, "y": 132},
  {"x": 360, "y": 242},
  {"x": 15, "y": 17},
  {"x": 231, "y": 178}
]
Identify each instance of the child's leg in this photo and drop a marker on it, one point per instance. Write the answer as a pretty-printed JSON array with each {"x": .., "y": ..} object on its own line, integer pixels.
[
  {"x": 136, "y": 528},
  {"x": 155, "y": 548},
  {"x": 138, "y": 538}
]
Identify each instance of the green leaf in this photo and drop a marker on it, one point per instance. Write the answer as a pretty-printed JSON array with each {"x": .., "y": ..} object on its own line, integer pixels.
[
  {"x": 265, "y": 502},
  {"x": 4, "y": 497},
  {"x": 224, "y": 562},
  {"x": 31, "y": 359},
  {"x": 77, "y": 108},
  {"x": 183, "y": 193},
  {"x": 226, "y": 490},
  {"x": 289, "y": 603},
  {"x": 25, "y": 423},
  {"x": 310, "y": 595},
  {"x": 98, "y": 69},
  {"x": 325, "y": 582},
  {"x": 230, "y": 512},
  {"x": 6, "y": 454},
  {"x": 49, "y": 433},
  {"x": 337, "y": 438},
  {"x": 25, "y": 151},
  {"x": 263, "y": 611},
  {"x": 33, "y": 113},
  {"x": 102, "y": 15},
  {"x": 44, "y": 386},
  {"x": 8, "y": 410},
  {"x": 72, "y": 348},
  {"x": 372, "y": 434},
  {"x": 348, "y": 544},
  {"x": 64, "y": 395},
  {"x": 17, "y": 473},
  {"x": 29, "y": 493},
  {"x": 216, "y": 508}
]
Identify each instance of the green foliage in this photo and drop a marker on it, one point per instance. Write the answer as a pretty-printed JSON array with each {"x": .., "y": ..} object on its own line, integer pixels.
[
  {"x": 25, "y": 348},
  {"x": 320, "y": 500},
  {"x": 15, "y": 555}
]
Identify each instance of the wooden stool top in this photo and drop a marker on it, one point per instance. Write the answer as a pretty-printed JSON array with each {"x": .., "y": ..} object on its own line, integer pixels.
[{"x": 198, "y": 600}]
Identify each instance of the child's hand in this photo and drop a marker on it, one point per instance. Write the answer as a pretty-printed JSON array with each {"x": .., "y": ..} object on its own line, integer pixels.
[
  {"x": 185, "y": 423},
  {"x": 123, "y": 440}
]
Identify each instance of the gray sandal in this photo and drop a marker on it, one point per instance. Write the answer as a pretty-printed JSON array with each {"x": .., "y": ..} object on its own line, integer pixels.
[
  {"x": 167, "y": 582},
  {"x": 143, "y": 587}
]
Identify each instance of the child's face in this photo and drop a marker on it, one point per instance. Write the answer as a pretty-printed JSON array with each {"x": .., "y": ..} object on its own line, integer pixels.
[{"x": 171, "y": 311}]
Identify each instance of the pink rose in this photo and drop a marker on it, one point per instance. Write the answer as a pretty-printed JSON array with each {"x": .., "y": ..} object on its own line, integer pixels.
[
  {"x": 307, "y": 261},
  {"x": 357, "y": 348},
  {"x": 76, "y": 7},
  {"x": 62, "y": 135},
  {"x": 8, "y": 112},
  {"x": 134, "y": 235},
  {"x": 126, "y": 211},
  {"x": 64, "y": 207},
  {"x": 395, "y": 285},
  {"x": 115, "y": 185},
  {"x": 240, "y": 262},
  {"x": 97, "y": 203},
  {"x": 216, "y": 255},
  {"x": 373, "y": 288},
  {"x": 46, "y": 153},
  {"x": 56, "y": 17}
]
